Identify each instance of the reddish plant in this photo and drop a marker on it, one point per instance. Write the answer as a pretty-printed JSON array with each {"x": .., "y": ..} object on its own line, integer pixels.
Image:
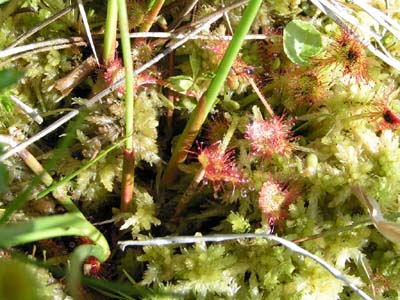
[
  {"x": 115, "y": 71},
  {"x": 389, "y": 118},
  {"x": 219, "y": 166},
  {"x": 268, "y": 137},
  {"x": 241, "y": 69},
  {"x": 308, "y": 85},
  {"x": 274, "y": 200},
  {"x": 216, "y": 129},
  {"x": 92, "y": 267},
  {"x": 349, "y": 53}
]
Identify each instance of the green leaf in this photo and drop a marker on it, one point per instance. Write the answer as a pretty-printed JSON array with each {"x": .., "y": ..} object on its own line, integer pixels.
[
  {"x": 167, "y": 103},
  {"x": 301, "y": 41},
  {"x": 180, "y": 83},
  {"x": 195, "y": 63},
  {"x": 4, "y": 176},
  {"x": 9, "y": 77}
]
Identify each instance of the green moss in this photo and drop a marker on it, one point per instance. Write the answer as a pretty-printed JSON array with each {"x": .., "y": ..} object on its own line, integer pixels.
[{"x": 339, "y": 137}]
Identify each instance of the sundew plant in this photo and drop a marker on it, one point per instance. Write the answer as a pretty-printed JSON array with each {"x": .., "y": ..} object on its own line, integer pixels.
[{"x": 154, "y": 149}]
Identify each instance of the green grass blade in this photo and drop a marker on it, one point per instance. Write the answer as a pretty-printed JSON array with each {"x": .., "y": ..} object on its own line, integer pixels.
[{"x": 207, "y": 102}]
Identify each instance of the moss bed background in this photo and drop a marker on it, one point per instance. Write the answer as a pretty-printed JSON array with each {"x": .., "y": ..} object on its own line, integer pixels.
[{"x": 306, "y": 125}]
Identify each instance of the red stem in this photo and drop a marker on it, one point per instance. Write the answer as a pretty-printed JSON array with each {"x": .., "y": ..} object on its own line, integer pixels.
[{"x": 127, "y": 180}]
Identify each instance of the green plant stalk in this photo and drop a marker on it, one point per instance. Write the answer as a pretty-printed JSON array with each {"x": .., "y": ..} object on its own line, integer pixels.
[
  {"x": 71, "y": 176},
  {"x": 36, "y": 167},
  {"x": 207, "y": 102},
  {"x": 152, "y": 15},
  {"x": 129, "y": 73},
  {"x": 150, "y": 18},
  {"x": 69, "y": 224},
  {"x": 110, "y": 34},
  {"x": 129, "y": 154}
]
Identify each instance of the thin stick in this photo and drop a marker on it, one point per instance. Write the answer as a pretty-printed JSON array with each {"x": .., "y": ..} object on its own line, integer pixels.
[
  {"x": 33, "y": 46},
  {"x": 186, "y": 10},
  {"x": 35, "y": 29},
  {"x": 29, "y": 160},
  {"x": 87, "y": 30},
  {"x": 387, "y": 22},
  {"x": 220, "y": 12},
  {"x": 44, "y": 49},
  {"x": 79, "y": 41},
  {"x": 33, "y": 113},
  {"x": 226, "y": 17},
  {"x": 261, "y": 97}
]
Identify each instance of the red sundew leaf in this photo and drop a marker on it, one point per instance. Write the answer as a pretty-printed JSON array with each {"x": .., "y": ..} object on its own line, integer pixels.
[
  {"x": 268, "y": 137},
  {"x": 219, "y": 166}
]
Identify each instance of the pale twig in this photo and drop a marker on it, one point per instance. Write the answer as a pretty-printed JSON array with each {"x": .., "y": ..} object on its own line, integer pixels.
[
  {"x": 67, "y": 83},
  {"x": 261, "y": 97},
  {"x": 40, "y": 26},
  {"x": 44, "y": 49},
  {"x": 29, "y": 160},
  {"x": 33, "y": 113},
  {"x": 79, "y": 41},
  {"x": 177, "y": 240},
  {"x": 340, "y": 15},
  {"x": 226, "y": 17},
  {"x": 103, "y": 93},
  {"x": 389, "y": 230},
  {"x": 87, "y": 30},
  {"x": 171, "y": 35},
  {"x": 186, "y": 10},
  {"x": 33, "y": 46},
  {"x": 218, "y": 13},
  {"x": 385, "y": 21}
]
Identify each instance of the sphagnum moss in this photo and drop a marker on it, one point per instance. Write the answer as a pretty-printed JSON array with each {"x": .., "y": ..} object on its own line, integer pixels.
[{"x": 343, "y": 132}]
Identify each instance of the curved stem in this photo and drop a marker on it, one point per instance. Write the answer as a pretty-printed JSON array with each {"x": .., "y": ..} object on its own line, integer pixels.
[{"x": 69, "y": 224}]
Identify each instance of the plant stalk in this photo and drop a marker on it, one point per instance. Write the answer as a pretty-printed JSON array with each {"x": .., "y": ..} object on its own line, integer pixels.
[
  {"x": 150, "y": 18},
  {"x": 129, "y": 154},
  {"x": 207, "y": 102},
  {"x": 110, "y": 34}
]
